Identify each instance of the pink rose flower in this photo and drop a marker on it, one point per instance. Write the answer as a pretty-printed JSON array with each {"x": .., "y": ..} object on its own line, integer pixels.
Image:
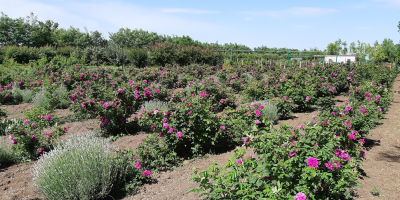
[
  {"x": 48, "y": 117},
  {"x": 312, "y": 162},
  {"x": 146, "y": 173},
  {"x": 329, "y": 165},
  {"x": 293, "y": 153},
  {"x": 300, "y": 195},
  {"x": 40, "y": 150},
  {"x": 137, "y": 165},
  {"x": 246, "y": 140},
  {"x": 165, "y": 125}
]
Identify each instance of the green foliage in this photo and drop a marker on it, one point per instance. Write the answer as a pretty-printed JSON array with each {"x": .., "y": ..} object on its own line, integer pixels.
[
  {"x": 41, "y": 99},
  {"x": 37, "y": 115},
  {"x": 280, "y": 169},
  {"x": 6, "y": 154},
  {"x": 269, "y": 111},
  {"x": 26, "y": 31},
  {"x": 116, "y": 54},
  {"x": 375, "y": 192},
  {"x": 59, "y": 97},
  {"x": 169, "y": 53},
  {"x": 25, "y": 95},
  {"x": 195, "y": 122},
  {"x": 126, "y": 37},
  {"x": 137, "y": 57},
  {"x": 26, "y": 138},
  {"x": 379, "y": 55},
  {"x": 333, "y": 48},
  {"x": 155, "y": 154},
  {"x": 154, "y": 105}
]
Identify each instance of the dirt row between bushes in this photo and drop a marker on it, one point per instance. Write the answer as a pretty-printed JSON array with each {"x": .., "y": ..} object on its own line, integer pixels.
[
  {"x": 382, "y": 167},
  {"x": 15, "y": 181}
]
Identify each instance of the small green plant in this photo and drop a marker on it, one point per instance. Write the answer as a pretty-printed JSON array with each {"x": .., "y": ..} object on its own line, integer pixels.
[
  {"x": 41, "y": 117},
  {"x": 59, "y": 97},
  {"x": 114, "y": 138},
  {"x": 155, "y": 154},
  {"x": 269, "y": 111},
  {"x": 375, "y": 191},
  {"x": 82, "y": 167},
  {"x": 20, "y": 95},
  {"x": 41, "y": 99},
  {"x": 6, "y": 155},
  {"x": 152, "y": 104}
]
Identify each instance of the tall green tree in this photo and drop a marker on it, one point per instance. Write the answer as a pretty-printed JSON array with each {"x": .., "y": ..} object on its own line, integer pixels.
[
  {"x": 67, "y": 37},
  {"x": 14, "y": 31},
  {"x": 333, "y": 48},
  {"x": 137, "y": 38},
  {"x": 379, "y": 55},
  {"x": 28, "y": 31},
  {"x": 389, "y": 50},
  {"x": 42, "y": 33}
]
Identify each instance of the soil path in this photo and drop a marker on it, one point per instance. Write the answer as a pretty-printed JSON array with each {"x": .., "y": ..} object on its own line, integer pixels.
[
  {"x": 17, "y": 111},
  {"x": 16, "y": 183},
  {"x": 382, "y": 167}
]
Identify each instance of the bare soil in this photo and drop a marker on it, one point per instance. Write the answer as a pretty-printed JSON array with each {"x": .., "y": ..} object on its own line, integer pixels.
[
  {"x": 130, "y": 141},
  {"x": 382, "y": 167},
  {"x": 17, "y": 111},
  {"x": 16, "y": 184},
  {"x": 14, "y": 109}
]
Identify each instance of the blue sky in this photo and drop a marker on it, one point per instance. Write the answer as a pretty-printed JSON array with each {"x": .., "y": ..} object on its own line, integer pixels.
[{"x": 290, "y": 23}]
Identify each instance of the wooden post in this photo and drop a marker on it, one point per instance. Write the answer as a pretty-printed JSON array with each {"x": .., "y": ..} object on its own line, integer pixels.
[{"x": 300, "y": 64}]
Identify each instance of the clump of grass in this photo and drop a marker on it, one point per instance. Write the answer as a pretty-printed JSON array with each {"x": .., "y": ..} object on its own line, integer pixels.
[
  {"x": 40, "y": 99},
  {"x": 190, "y": 88},
  {"x": 248, "y": 76},
  {"x": 60, "y": 97},
  {"x": 81, "y": 167},
  {"x": 22, "y": 95},
  {"x": 375, "y": 192},
  {"x": 150, "y": 105},
  {"x": 270, "y": 111},
  {"x": 6, "y": 155},
  {"x": 215, "y": 78}
]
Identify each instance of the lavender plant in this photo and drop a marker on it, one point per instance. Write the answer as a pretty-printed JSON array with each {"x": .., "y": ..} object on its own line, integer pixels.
[{"x": 81, "y": 167}]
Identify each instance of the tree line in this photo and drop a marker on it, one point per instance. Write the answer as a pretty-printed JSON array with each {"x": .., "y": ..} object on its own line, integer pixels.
[{"x": 33, "y": 33}]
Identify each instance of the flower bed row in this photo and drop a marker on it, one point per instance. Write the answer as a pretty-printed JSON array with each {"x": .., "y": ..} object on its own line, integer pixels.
[{"x": 316, "y": 161}]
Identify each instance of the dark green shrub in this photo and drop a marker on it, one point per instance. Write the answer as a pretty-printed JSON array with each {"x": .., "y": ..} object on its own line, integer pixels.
[{"x": 137, "y": 57}]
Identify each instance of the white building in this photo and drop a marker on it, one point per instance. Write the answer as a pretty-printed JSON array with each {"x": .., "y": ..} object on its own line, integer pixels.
[{"x": 336, "y": 58}]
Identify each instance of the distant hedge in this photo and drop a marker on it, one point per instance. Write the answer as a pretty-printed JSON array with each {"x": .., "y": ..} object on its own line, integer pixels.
[{"x": 112, "y": 54}]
